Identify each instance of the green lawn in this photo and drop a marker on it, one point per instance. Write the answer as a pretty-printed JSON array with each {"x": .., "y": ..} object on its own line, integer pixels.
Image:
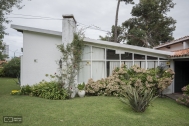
[{"x": 88, "y": 111}]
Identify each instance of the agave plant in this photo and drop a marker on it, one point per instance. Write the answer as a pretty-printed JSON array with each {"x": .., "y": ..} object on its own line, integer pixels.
[{"x": 138, "y": 98}]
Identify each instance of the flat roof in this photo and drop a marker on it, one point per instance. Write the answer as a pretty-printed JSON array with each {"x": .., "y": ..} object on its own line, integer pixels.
[
  {"x": 129, "y": 47},
  {"x": 93, "y": 41},
  {"x": 24, "y": 28}
]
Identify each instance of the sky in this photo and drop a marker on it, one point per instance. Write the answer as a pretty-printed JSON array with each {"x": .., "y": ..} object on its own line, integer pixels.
[{"x": 94, "y": 13}]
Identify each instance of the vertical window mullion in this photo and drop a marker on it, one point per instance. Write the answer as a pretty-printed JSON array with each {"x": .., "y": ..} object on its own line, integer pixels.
[
  {"x": 105, "y": 64},
  {"x": 146, "y": 62},
  {"x": 91, "y": 62},
  {"x": 133, "y": 58},
  {"x": 120, "y": 60}
]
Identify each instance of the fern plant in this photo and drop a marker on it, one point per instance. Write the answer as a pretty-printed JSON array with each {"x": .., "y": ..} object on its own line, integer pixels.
[{"x": 138, "y": 98}]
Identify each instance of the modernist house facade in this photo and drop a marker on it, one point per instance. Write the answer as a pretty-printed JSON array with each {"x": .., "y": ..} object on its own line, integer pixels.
[{"x": 41, "y": 56}]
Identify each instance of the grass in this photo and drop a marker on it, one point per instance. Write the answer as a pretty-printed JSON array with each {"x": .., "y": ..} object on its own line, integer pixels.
[{"x": 88, "y": 111}]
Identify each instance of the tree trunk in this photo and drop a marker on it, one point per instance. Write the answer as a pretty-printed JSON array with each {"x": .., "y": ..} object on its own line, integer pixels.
[{"x": 116, "y": 21}]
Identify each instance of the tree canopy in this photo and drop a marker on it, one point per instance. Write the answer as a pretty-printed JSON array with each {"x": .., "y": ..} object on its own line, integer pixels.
[
  {"x": 111, "y": 35},
  {"x": 149, "y": 25},
  {"x": 5, "y": 9}
]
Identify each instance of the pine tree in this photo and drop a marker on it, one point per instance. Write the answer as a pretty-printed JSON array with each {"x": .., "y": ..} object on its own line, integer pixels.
[{"x": 150, "y": 25}]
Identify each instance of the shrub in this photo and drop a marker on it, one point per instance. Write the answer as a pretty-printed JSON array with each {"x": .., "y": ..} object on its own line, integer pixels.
[
  {"x": 184, "y": 100},
  {"x": 185, "y": 89},
  {"x": 25, "y": 90},
  {"x": 157, "y": 79},
  {"x": 49, "y": 90},
  {"x": 1, "y": 72},
  {"x": 12, "y": 68},
  {"x": 81, "y": 86},
  {"x": 139, "y": 98}
]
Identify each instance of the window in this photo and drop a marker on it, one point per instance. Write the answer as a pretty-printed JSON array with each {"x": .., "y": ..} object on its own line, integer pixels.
[
  {"x": 111, "y": 55},
  {"x": 151, "y": 58},
  {"x": 84, "y": 72},
  {"x": 126, "y": 56},
  {"x": 98, "y": 70},
  {"x": 139, "y": 57},
  {"x": 98, "y": 53},
  {"x": 86, "y": 53}
]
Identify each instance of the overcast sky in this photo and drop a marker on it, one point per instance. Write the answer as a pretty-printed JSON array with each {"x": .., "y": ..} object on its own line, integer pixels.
[{"x": 100, "y": 13}]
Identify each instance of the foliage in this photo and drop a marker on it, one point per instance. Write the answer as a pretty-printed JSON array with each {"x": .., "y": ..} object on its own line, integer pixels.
[
  {"x": 139, "y": 97},
  {"x": 25, "y": 90},
  {"x": 110, "y": 35},
  {"x": 12, "y": 68},
  {"x": 1, "y": 72},
  {"x": 71, "y": 58},
  {"x": 185, "y": 97},
  {"x": 149, "y": 25},
  {"x": 116, "y": 84},
  {"x": 48, "y": 90},
  {"x": 185, "y": 89},
  {"x": 92, "y": 110},
  {"x": 5, "y": 9},
  {"x": 81, "y": 86}
]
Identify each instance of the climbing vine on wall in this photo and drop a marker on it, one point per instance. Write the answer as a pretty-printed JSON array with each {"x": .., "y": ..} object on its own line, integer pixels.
[{"x": 70, "y": 62}]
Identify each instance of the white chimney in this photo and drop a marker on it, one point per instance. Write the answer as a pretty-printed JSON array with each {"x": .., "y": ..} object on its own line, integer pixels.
[{"x": 68, "y": 28}]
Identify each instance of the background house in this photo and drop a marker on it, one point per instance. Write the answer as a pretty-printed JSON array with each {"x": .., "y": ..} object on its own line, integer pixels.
[
  {"x": 180, "y": 60},
  {"x": 41, "y": 56}
]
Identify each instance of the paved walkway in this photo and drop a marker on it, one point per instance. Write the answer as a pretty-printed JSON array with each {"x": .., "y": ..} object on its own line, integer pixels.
[{"x": 174, "y": 95}]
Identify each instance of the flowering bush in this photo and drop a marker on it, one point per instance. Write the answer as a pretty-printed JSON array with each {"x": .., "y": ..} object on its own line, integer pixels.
[
  {"x": 185, "y": 97},
  {"x": 116, "y": 84},
  {"x": 185, "y": 89},
  {"x": 15, "y": 92}
]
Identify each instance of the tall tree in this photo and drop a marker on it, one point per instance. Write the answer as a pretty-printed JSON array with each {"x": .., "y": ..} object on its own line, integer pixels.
[
  {"x": 110, "y": 35},
  {"x": 5, "y": 9},
  {"x": 116, "y": 18},
  {"x": 150, "y": 25}
]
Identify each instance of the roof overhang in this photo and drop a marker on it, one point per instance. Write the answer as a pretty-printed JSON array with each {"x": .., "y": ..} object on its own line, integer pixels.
[
  {"x": 97, "y": 42},
  {"x": 127, "y": 47},
  {"x": 24, "y": 28},
  {"x": 180, "y": 40}
]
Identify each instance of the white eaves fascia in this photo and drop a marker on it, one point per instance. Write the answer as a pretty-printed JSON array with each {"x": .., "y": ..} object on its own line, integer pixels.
[
  {"x": 130, "y": 47},
  {"x": 24, "y": 28}
]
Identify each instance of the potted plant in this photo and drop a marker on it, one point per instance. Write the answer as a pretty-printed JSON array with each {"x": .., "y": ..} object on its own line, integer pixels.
[{"x": 81, "y": 89}]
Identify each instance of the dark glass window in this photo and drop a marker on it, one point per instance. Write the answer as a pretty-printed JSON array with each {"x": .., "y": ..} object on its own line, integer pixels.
[
  {"x": 139, "y": 57},
  {"x": 151, "y": 58},
  {"x": 162, "y": 59},
  {"x": 110, "y": 55},
  {"x": 126, "y": 56}
]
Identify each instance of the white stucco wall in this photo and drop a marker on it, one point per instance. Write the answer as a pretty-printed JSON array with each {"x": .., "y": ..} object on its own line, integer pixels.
[
  {"x": 42, "y": 48},
  {"x": 186, "y": 45},
  {"x": 171, "y": 88}
]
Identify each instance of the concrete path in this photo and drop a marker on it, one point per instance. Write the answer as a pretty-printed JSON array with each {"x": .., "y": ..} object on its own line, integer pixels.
[{"x": 174, "y": 95}]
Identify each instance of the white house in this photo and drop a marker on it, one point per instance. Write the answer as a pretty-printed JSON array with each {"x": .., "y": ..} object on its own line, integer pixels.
[{"x": 41, "y": 56}]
